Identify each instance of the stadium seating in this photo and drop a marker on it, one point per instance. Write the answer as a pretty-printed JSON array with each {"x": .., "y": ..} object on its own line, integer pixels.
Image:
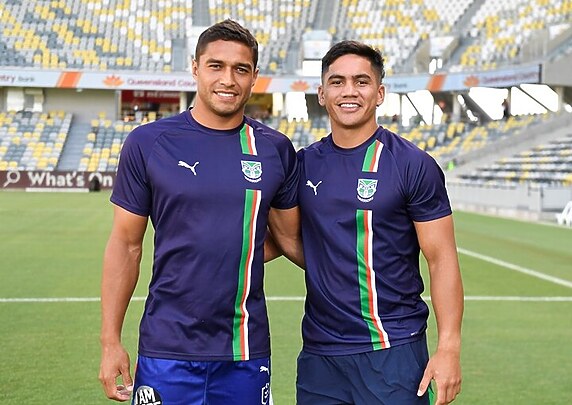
[
  {"x": 32, "y": 141},
  {"x": 90, "y": 35},
  {"x": 396, "y": 27},
  {"x": 140, "y": 34},
  {"x": 275, "y": 24},
  {"x": 499, "y": 29},
  {"x": 103, "y": 144},
  {"x": 548, "y": 164}
]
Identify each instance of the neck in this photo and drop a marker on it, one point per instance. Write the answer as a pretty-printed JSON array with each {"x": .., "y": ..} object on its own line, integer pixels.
[
  {"x": 211, "y": 120},
  {"x": 348, "y": 138}
]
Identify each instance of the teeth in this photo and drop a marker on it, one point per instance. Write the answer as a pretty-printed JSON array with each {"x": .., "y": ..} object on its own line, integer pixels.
[
  {"x": 348, "y": 105},
  {"x": 225, "y": 94}
]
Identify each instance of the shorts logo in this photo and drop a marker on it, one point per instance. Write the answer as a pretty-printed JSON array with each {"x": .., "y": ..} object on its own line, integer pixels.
[
  {"x": 252, "y": 170},
  {"x": 366, "y": 188},
  {"x": 147, "y": 396},
  {"x": 265, "y": 396}
]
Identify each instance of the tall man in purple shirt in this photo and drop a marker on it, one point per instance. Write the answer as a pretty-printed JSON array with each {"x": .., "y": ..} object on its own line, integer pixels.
[
  {"x": 370, "y": 201},
  {"x": 207, "y": 179}
]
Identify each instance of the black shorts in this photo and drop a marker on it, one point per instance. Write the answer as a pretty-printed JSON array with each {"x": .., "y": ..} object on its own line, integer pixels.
[{"x": 382, "y": 377}]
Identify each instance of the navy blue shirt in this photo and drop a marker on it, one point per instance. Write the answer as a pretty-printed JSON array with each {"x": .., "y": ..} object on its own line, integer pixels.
[
  {"x": 360, "y": 245},
  {"x": 208, "y": 194}
]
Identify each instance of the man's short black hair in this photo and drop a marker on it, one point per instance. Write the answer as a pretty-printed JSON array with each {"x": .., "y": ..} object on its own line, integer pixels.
[
  {"x": 227, "y": 30},
  {"x": 354, "y": 48}
]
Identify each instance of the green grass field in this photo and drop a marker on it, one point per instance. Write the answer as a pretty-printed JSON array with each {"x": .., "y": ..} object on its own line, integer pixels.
[{"x": 517, "y": 330}]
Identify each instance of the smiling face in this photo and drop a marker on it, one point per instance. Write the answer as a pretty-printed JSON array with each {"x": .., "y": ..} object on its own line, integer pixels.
[
  {"x": 351, "y": 92},
  {"x": 225, "y": 75}
]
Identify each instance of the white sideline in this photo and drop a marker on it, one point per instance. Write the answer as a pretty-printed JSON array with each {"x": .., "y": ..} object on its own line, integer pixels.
[
  {"x": 515, "y": 267},
  {"x": 291, "y": 298}
]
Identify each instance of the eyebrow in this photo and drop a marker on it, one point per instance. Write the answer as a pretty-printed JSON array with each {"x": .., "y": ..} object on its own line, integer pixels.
[
  {"x": 239, "y": 64},
  {"x": 358, "y": 76}
]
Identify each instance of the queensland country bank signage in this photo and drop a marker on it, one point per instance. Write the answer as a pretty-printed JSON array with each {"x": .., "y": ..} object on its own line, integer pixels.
[{"x": 39, "y": 180}]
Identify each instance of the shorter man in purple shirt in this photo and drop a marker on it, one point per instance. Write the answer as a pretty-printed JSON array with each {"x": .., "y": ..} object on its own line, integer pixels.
[{"x": 370, "y": 201}]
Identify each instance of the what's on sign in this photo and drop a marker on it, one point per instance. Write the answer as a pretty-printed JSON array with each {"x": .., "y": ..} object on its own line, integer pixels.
[{"x": 54, "y": 180}]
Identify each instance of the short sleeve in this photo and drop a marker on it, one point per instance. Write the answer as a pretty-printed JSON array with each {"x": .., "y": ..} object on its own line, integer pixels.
[
  {"x": 427, "y": 197},
  {"x": 287, "y": 195},
  {"x": 131, "y": 190}
]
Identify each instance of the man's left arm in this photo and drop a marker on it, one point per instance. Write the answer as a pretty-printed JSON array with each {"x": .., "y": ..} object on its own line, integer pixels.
[
  {"x": 285, "y": 235},
  {"x": 437, "y": 242}
]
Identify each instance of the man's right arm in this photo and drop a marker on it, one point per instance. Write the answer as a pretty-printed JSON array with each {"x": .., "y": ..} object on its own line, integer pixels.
[
  {"x": 285, "y": 236},
  {"x": 120, "y": 274}
]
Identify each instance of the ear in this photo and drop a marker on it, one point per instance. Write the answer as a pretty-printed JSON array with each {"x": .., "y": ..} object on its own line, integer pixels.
[
  {"x": 321, "y": 99},
  {"x": 195, "y": 68},
  {"x": 380, "y": 95},
  {"x": 255, "y": 77}
]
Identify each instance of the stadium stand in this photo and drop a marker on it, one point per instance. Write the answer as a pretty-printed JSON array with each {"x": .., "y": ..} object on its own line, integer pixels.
[
  {"x": 548, "y": 164},
  {"x": 499, "y": 30},
  {"x": 103, "y": 144},
  {"x": 302, "y": 133},
  {"x": 141, "y": 35},
  {"x": 32, "y": 141},
  {"x": 277, "y": 25},
  {"x": 396, "y": 27},
  {"x": 92, "y": 35},
  {"x": 461, "y": 138}
]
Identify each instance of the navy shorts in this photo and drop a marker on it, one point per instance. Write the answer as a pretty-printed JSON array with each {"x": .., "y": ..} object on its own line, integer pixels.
[
  {"x": 176, "y": 382},
  {"x": 382, "y": 377}
]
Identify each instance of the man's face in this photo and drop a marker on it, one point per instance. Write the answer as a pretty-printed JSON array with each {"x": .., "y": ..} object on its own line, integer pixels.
[
  {"x": 225, "y": 75},
  {"x": 351, "y": 91}
]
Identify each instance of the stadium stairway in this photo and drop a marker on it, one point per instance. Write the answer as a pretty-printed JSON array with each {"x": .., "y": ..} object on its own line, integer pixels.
[
  {"x": 201, "y": 15},
  {"x": 464, "y": 23},
  {"x": 325, "y": 15},
  {"x": 72, "y": 152}
]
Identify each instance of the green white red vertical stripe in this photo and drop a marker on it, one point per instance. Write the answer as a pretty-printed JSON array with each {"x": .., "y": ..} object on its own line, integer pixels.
[
  {"x": 240, "y": 327},
  {"x": 366, "y": 278},
  {"x": 371, "y": 160},
  {"x": 247, "y": 140}
]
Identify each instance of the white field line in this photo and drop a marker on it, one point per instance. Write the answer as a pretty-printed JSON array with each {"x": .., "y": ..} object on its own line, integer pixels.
[
  {"x": 291, "y": 298},
  {"x": 515, "y": 267},
  {"x": 479, "y": 256}
]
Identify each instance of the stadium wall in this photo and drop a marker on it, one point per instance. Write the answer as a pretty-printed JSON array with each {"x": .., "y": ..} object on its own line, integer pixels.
[
  {"x": 557, "y": 73},
  {"x": 84, "y": 104},
  {"x": 524, "y": 202}
]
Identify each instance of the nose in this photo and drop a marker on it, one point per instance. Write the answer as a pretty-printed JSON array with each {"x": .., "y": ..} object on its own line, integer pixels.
[
  {"x": 227, "y": 77},
  {"x": 349, "y": 89}
]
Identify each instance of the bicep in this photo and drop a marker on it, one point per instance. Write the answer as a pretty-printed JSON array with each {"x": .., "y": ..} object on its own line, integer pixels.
[
  {"x": 436, "y": 239},
  {"x": 284, "y": 223},
  {"x": 128, "y": 227}
]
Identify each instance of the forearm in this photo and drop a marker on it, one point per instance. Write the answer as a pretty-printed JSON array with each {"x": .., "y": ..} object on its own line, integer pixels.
[
  {"x": 294, "y": 252},
  {"x": 271, "y": 250},
  {"x": 286, "y": 234},
  {"x": 448, "y": 304},
  {"x": 120, "y": 273},
  {"x": 437, "y": 242}
]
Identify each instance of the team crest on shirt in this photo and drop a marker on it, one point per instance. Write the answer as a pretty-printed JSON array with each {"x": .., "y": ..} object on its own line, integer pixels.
[
  {"x": 366, "y": 188},
  {"x": 147, "y": 396},
  {"x": 252, "y": 170}
]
